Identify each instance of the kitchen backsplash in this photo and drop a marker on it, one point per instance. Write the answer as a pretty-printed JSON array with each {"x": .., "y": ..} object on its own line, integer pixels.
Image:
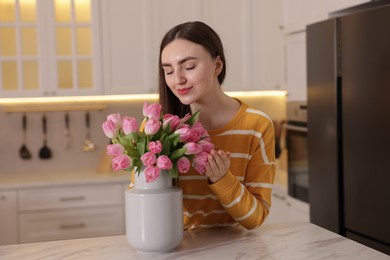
[{"x": 74, "y": 158}]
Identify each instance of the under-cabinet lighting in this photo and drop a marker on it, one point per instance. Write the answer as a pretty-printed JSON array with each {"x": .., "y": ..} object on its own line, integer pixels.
[{"x": 118, "y": 98}]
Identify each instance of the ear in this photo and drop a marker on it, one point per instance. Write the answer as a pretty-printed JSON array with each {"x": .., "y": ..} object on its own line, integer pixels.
[{"x": 218, "y": 66}]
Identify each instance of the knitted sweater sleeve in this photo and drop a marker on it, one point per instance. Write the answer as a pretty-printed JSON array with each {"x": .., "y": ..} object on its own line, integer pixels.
[{"x": 248, "y": 202}]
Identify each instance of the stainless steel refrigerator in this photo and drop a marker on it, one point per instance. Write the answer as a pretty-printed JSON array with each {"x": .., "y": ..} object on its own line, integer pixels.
[{"x": 348, "y": 68}]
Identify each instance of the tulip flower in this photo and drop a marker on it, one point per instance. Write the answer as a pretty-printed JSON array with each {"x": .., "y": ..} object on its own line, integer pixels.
[
  {"x": 121, "y": 162},
  {"x": 129, "y": 125},
  {"x": 152, "y": 111}
]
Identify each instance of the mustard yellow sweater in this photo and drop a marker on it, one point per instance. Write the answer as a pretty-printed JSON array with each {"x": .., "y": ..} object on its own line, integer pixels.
[{"x": 243, "y": 195}]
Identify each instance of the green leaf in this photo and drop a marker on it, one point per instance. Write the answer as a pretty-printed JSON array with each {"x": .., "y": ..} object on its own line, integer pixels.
[
  {"x": 139, "y": 166},
  {"x": 141, "y": 144},
  {"x": 193, "y": 118},
  {"x": 173, "y": 172},
  {"x": 178, "y": 153}
]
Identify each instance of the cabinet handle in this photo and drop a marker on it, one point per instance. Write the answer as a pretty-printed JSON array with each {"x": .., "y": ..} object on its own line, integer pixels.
[
  {"x": 64, "y": 199},
  {"x": 72, "y": 226}
]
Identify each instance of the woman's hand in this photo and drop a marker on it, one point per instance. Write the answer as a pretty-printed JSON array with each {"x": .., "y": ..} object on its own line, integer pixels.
[{"x": 218, "y": 165}]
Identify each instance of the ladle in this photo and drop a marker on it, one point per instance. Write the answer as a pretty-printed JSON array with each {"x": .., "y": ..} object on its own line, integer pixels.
[
  {"x": 88, "y": 146},
  {"x": 45, "y": 152},
  {"x": 24, "y": 152}
]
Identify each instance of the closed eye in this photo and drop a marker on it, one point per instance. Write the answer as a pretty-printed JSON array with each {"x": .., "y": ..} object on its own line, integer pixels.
[{"x": 190, "y": 68}]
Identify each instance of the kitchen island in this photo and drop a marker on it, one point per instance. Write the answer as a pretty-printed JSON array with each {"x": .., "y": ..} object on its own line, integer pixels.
[{"x": 295, "y": 240}]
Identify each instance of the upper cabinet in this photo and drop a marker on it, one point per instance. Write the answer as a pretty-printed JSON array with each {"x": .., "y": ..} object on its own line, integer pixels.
[
  {"x": 249, "y": 29},
  {"x": 299, "y": 13},
  {"x": 49, "y": 47}
]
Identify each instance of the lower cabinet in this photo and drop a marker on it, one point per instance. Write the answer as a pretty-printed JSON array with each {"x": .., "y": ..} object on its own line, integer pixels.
[
  {"x": 8, "y": 217},
  {"x": 69, "y": 212},
  {"x": 71, "y": 223}
]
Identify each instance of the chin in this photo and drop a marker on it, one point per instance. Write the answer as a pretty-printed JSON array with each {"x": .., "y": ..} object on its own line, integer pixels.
[{"x": 186, "y": 100}]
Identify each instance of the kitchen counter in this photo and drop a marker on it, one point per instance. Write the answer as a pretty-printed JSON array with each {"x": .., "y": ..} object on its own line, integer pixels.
[
  {"x": 300, "y": 240},
  {"x": 58, "y": 178}
]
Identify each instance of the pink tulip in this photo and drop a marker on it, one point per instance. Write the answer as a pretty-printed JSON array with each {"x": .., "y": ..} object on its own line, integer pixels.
[
  {"x": 121, "y": 162},
  {"x": 194, "y": 135},
  {"x": 172, "y": 120},
  {"x": 155, "y": 147},
  {"x": 148, "y": 159},
  {"x": 206, "y": 145},
  {"x": 152, "y": 126},
  {"x": 184, "y": 133},
  {"x": 129, "y": 125},
  {"x": 183, "y": 164},
  {"x": 115, "y": 150},
  {"x": 151, "y": 173},
  {"x": 199, "y": 128},
  {"x": 192, "y": 148},
  {"x": 109, "y": 129},
  {"x": 185, "y": 118},
  {"x": 164, "y": 163},
  {"x": 116, "y": 119},
  {"x": 200, "y": 162},
  {"x": 152, "y": 111}
]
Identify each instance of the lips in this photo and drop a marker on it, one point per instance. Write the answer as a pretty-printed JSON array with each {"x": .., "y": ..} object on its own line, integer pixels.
[{"x": 183, "y": 91}]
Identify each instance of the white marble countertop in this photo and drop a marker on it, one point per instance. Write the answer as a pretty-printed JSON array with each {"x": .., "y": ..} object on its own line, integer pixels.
[
  {"x": 300, "y": 240},
  {"x": 58, "y": 178}
]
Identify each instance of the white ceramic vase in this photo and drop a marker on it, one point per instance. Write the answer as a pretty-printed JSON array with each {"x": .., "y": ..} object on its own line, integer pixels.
[{"x": 154, "y": 214}]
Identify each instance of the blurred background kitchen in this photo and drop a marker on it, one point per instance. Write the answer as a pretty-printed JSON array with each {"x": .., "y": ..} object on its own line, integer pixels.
[{"x": 73, "y": 62}]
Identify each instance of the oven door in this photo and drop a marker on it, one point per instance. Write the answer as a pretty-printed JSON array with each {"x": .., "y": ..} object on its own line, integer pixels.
[{"x": 298, "y": 173}]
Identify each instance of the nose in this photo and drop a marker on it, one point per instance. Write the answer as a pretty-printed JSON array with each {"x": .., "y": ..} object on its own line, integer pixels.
[{"x": 179, "y": 78}]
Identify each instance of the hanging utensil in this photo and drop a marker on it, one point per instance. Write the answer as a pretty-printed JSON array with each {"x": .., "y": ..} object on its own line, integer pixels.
[
  {"x": 67, "y": 135},
  {"x": 88, "y": 145},
  {"x": 44, "y": 152},
  {"x": 24, "y": 152}
]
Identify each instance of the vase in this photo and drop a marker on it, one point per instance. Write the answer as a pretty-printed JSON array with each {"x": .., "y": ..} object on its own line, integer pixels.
[{"x": 154, "y": 214}]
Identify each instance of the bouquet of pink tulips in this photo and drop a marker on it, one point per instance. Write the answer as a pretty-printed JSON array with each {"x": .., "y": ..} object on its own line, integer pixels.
[{"x": 164, "y": 142}]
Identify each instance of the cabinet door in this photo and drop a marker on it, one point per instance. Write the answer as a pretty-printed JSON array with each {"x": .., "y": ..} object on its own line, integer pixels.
[
  {"x": 232, "y": 23},
  {"x": 71, "y": 223},
  {"x": 8, "y": 218},
  {"x": 125, "y": 46},
  {"x": 267, "y": 45},
  {"x": 73, "y": 50},
  {"x": 296, "y": 67},
  {"x": 49, "y": 48},
  {"x": 132, "y": 32},
  {"x": 20, "y": 58}
]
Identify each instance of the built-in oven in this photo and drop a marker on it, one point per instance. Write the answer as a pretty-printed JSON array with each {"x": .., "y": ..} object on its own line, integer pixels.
[{"x": 297, "y": 156}]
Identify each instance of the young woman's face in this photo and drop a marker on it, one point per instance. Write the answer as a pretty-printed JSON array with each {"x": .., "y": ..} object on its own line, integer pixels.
[{"x": 190, "y": 71}]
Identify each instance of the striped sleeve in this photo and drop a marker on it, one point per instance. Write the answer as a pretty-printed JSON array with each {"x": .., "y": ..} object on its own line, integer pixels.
[{"x": 245, "y": 190}]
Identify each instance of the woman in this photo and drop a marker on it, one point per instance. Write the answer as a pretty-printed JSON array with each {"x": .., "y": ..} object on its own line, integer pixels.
[{"x": 238, "y": 181}]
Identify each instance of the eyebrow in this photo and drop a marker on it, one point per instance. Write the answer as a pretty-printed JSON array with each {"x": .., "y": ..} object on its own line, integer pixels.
[{"x": 180, "y": 61}]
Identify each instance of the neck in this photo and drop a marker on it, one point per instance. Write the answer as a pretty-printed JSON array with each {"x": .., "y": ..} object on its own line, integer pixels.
[{"x": 216, "y": 111}]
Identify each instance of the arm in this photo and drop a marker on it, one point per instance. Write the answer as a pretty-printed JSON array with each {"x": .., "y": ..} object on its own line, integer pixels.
[{"x": 248, "y": 203}]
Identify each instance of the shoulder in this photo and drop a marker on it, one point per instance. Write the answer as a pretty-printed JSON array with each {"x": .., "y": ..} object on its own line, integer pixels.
[{"x": 254, "y": 118}]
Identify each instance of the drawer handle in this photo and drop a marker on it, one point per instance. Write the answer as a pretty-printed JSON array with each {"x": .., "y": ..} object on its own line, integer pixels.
[
  {"x": 72, "y": 198},
  {"x": 73, "y": 226}
]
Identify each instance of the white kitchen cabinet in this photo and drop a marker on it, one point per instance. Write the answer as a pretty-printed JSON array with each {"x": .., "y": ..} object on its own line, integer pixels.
[
  {"x": 299, "y": 13},
  {"x": 71, "y": 223},
  {"x": 296, "y": 66},
  {"x": 266, "y": 46},
  {"x": 70, "y": 212},
  {"x": 49, "y": 48},
  {"x": 8, "y": 217},
  {"x": 249, "y": 29},
  {"x": 131, "y": 36}
]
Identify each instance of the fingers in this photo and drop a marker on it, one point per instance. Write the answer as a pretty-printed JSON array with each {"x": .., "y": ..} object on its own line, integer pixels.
[{"x": 218, "y": 164}]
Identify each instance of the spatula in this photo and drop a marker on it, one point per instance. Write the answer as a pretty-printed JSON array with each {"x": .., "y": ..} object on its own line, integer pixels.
[
  {"x": 45, "y": 152},
  {"x": 24, "y": 152}
]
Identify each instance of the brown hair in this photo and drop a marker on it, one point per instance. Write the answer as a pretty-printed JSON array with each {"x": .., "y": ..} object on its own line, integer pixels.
[{"x": 196, "y": 32}]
